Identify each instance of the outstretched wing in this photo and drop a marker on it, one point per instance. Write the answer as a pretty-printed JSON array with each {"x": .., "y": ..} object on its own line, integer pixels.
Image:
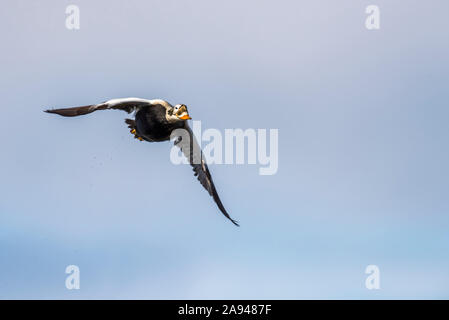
[
  {"x": 193, "y": 153},
  {"x": 126, "y": 104}
]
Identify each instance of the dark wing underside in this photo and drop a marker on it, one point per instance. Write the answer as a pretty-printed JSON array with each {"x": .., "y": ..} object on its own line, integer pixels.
[
  {"x": 195, "y": 156},
  {"x": 127, "y": 104}
]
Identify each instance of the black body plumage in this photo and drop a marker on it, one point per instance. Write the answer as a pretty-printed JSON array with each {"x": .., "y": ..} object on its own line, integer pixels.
[{"x": 152, "y": 125}]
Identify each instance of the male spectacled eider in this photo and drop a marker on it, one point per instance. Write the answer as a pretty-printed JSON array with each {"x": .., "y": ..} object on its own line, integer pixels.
[{"x": 154, "y": 121}]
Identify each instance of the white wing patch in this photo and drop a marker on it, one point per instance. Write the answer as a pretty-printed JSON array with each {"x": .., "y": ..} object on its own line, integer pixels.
[{"x": 115, "y": 102}]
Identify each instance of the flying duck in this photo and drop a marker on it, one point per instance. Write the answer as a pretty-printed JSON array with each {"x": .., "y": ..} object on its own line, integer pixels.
[{"x": 154, "y": 121}]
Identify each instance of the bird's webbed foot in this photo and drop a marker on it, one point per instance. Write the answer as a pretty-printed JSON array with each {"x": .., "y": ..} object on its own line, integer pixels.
[{"x": 136, "y": 136}]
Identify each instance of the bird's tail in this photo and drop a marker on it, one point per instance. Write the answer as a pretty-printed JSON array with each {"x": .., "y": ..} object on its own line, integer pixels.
[
  {"x": 73, "y": 112},
  {"x": 131, "y": 124}
]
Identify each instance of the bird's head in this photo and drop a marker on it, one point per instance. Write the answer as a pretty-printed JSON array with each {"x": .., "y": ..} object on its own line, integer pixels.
[{"x": 180, "y": 111}]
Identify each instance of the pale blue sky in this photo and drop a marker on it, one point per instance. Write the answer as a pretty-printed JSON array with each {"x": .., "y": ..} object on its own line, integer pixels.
[{"x": 363, "y": 150}]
